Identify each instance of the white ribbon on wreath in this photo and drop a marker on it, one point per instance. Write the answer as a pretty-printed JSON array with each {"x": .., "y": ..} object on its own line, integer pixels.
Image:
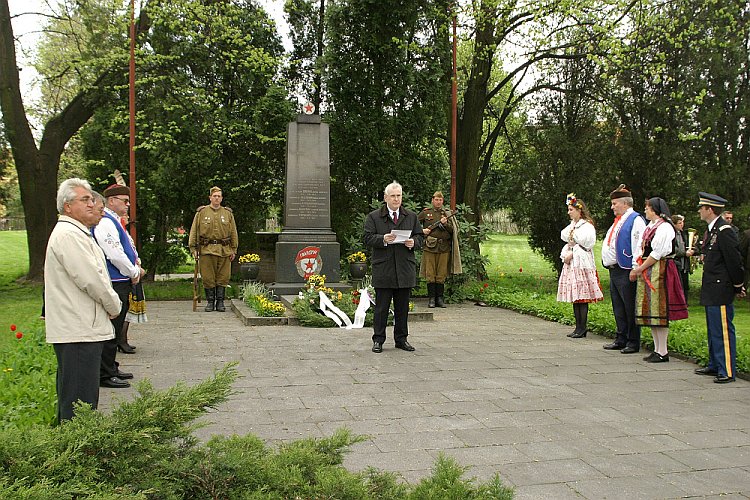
[{"x": 340, "y": 317}]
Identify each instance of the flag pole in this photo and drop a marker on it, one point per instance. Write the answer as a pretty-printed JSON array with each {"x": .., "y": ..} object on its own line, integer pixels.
[
  {"x": 454, "y": 114},
  {"x": 131, "y": 99}
]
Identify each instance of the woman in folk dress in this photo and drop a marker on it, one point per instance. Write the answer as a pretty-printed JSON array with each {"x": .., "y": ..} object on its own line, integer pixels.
[
  {"x": 579, "y": 281},
  {"x": 659, "y": 298}
]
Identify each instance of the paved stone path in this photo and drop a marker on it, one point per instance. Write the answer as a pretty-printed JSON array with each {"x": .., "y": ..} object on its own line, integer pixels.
[{"x": 501, "y": 392}]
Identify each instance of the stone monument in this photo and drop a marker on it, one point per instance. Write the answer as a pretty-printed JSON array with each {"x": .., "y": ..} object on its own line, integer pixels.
[{"x": 307, "y": 244}]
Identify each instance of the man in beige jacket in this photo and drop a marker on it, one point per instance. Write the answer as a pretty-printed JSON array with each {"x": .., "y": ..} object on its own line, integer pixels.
[{"x": 78, "y": 296}]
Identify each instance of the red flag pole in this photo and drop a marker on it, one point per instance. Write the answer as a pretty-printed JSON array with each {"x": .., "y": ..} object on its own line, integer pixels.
[
  {"x": 133, "y": 222},
  {"x": 454, "y": 115}
]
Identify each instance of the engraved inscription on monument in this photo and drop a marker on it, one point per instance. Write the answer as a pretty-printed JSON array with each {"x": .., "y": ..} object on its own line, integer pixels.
[{"x": 308, "y": 190}]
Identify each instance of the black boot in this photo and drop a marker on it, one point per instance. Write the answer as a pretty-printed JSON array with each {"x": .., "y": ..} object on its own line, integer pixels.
[
  {"x": 210, "y": 298},
  {"x": 431, "y": 295},
  {"x": 122, "y": 340},
  {"x": 577, "y": 315},
  {"x": 220, "y": 299},
  {"x": 439, "y": 299},
  {"x": 581, "y": 319}
]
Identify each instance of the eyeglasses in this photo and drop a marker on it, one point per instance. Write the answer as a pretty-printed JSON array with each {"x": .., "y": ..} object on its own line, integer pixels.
[
  {"x": 83, "y": 199},
  {"x": 124, "y": 200}
]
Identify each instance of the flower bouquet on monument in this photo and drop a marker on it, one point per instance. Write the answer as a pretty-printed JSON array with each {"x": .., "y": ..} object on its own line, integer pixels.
[{"x": 307, "y": 305}]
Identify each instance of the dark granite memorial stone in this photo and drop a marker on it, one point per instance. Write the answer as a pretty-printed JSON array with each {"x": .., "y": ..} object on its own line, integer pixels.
[{"x": 307, "y": 244}]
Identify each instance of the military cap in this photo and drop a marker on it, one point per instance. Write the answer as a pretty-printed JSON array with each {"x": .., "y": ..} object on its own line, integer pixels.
[
  {"x": 116, "y": 189},
  {"x": 214, "y": 189},
  {"x": 711, "y": 200},
  {"x": 620, "y": 192}
]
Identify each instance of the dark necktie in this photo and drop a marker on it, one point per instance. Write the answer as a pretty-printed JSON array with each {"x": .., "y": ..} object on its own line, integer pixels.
[{"x": 395, "y": 217}]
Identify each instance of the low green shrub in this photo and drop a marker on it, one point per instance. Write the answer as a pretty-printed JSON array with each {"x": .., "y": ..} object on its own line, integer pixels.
[{"x": 145, "y": 449}]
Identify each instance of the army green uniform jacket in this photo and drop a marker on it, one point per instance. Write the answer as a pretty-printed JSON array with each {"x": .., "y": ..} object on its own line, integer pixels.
[{"x": 214, "y": 232}]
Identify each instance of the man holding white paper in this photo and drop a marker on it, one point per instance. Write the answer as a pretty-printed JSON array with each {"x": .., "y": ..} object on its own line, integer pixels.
[{"x": 394, "y": 233}]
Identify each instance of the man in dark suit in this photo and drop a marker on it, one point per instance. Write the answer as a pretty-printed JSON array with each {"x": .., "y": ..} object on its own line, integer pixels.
[
  {"x": 394, "y": 267},
  {"x": 722, "y": 281}
]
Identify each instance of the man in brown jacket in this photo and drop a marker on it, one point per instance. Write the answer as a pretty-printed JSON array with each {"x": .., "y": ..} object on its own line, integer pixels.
[{"x": 213, "y": 240}]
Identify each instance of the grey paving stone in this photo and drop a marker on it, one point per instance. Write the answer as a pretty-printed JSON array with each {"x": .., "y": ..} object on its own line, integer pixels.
[{"x": 511, "y": 395}]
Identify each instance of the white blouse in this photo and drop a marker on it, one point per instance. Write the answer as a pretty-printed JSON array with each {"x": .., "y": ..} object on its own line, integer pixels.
[
  {"x": 580, "y": 244},
  {"x": 661, "y": 243}
]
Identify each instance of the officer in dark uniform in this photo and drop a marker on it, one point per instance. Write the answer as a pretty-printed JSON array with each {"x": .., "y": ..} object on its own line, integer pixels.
[
  {"x": 213, "y": 238},
  {"x": 438, "y": 230},
  {"x": 722, "y": 281}
]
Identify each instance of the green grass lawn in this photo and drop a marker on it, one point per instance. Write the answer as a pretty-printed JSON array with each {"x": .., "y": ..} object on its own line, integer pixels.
[{"x": 20, "y": 304}]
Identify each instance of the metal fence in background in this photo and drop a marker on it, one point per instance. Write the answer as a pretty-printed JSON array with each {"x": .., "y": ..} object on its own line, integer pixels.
[
  {"x": 499, "y": 221},
  {"x": 12, "y": 224}
]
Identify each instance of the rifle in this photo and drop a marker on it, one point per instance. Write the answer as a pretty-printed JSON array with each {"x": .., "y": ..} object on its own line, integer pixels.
[
  {"x": 196, "y": 294},
  {"x": 436, "y": 224}
]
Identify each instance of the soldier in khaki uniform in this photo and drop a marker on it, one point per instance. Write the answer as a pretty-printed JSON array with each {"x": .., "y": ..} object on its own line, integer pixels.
[
  {"x": 213, "y": 236},
  {"x": 438, "y": 230}
]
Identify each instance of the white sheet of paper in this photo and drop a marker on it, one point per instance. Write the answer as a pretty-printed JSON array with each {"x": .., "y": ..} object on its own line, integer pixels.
[{"x": 401, "y": 235}]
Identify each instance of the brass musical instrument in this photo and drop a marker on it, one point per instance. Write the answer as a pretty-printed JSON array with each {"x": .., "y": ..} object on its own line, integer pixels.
[
  {"x": 692, "y": 238},
  {"x": 692, "y": 244}
]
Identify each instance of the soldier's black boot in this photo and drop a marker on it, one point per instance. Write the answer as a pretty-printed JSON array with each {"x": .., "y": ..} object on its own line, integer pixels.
[
  {"x": 220, "y": 299},
  {"x": 431, "y": 295},
  {"x": 210, "y": 298},
  {"x": 439, "y": 299}
]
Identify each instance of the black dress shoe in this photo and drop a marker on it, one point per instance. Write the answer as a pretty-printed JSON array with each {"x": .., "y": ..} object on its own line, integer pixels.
[
  {"x": 574, "y": 332},
  {"x": 377, "y": 347},
  {"x": 405, "y": 346},
  {"x": 578, "y": 335},
  {"x": 614, "y": 346},
  {"x": 706, "y": 371},
  {"x": 723, "y": 379},
  {"x": 124, "y": 375},
  {"x": 628, "y": 350},
  {"x": 649, "y": 357},
  {"x": 113, "y": 383}
]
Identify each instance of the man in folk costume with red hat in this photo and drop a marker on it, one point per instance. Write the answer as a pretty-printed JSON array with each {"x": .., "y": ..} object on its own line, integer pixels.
[
  {"x": 124, "y": 271},
  {"x": 620, "y": 252}
]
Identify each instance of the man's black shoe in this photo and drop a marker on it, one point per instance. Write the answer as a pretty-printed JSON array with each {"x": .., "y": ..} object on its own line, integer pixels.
[
  {"x": 405, "y": 346},
  {"x": 614, "y": 346},
  {"x": 629, "y": 350},
  {"x": 723, "y": 379},
  {"x": 124, "y": 375},
  {"x": 377, "y": 347},
  {"x": 706, "y": 371},
  {"x": 113, "y": 383}
]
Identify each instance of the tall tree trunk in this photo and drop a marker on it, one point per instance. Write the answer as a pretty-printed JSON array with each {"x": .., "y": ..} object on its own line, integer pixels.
[
  {"x": 37, "y": 171},
  {"x": 38, "y": 167},
  {"x": 470, "y": 123}
]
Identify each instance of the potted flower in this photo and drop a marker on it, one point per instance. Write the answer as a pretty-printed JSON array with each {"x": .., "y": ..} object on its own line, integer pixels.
[
  {"x": 249, "y": 266},
  {"x": 357, "y": 265}
]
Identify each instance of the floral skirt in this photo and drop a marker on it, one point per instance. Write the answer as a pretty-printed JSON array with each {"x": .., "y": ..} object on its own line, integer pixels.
[{"x": 579, "y": 285}]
